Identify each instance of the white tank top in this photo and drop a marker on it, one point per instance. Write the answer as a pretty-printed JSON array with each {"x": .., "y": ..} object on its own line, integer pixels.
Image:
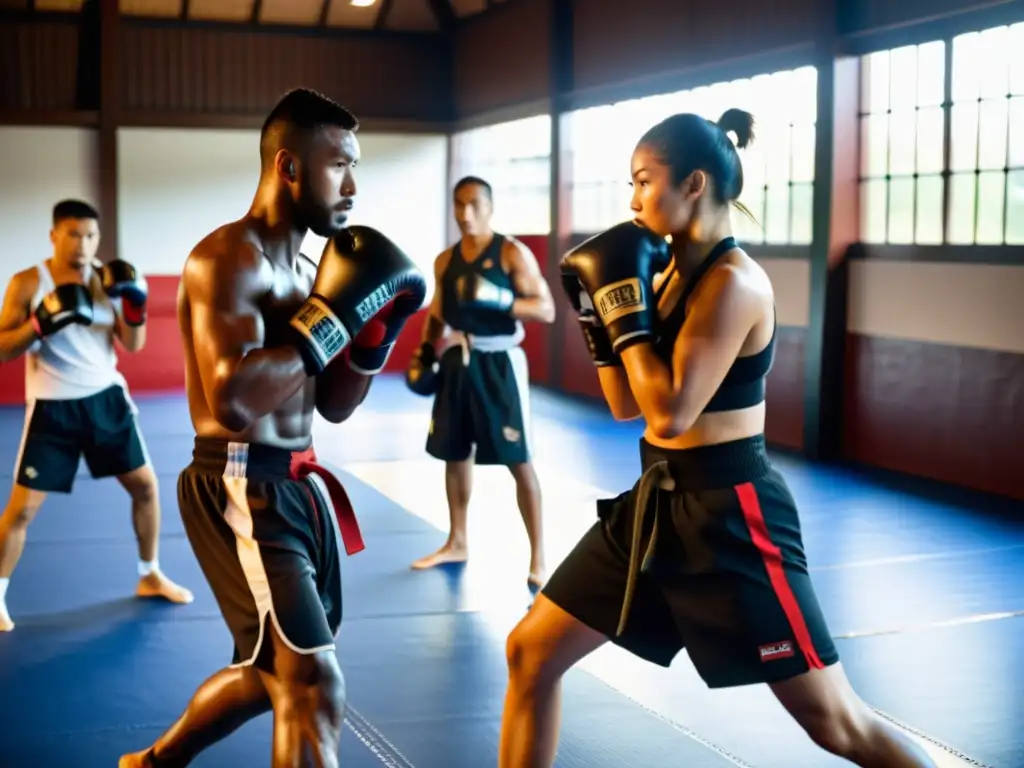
[{"x": 78, "y": 360}]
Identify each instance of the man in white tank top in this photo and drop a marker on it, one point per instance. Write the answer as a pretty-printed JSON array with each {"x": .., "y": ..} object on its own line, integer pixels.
[{"x": 64, "y": 315}]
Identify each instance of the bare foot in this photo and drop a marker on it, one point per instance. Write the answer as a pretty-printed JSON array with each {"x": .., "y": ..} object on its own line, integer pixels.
[
  {"x": 446, "y": 554},
  {"x": 135, "y": 760},
  {"x": 157, "y": 585},
  {"x": 6, "y": 625}
]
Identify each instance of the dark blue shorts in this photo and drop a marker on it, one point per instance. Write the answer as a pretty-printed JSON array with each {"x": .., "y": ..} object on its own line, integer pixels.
[{"x": 100, "y": 428}]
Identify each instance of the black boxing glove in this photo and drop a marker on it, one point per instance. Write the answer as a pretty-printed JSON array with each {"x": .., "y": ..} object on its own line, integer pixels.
[
  {"x": 422, "y": 375},
  {"x": 475, "y": 291},
  {"x": 365, "y": 290},
  {"x": 67, "y": 304},
  {"x": 595, "y": 334},
  {"x": 616, "y": 269},
  {"x": 121, "y": 280}
]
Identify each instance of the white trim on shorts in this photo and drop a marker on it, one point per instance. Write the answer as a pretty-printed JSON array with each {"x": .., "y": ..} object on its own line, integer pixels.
[
  {"x": 521, "y": 374},
  {"x": 238, "y": 515},
  {"x": 134, "y": 409},
  {"x": 30, "y": 407}
]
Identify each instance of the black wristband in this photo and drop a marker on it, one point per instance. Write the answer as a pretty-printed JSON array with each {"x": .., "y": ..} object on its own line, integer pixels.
[
  {"x": 598, "y": 343},
  {"x": 313, "y": 365}
]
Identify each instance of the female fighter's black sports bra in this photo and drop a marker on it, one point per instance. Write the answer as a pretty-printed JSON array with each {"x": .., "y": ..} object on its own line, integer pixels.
[{"x": 744, "y": 384}]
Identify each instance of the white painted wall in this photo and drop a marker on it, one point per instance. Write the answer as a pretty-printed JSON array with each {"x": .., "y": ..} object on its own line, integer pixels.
[
  {"x": 38, "y": 167},
  {"x": 176, "y": 185}
]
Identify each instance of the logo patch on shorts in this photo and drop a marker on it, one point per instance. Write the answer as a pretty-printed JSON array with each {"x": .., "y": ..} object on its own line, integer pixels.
[{"x": 775, "y": 651}]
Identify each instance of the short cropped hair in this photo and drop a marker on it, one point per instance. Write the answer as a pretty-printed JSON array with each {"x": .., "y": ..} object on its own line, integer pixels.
[
  {"x": 73, "y": 209},
  {"x": 467, "y": 181},
  {"x": 296, "y": 117}
]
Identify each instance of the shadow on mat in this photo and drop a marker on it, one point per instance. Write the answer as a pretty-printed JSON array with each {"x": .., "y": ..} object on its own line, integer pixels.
[
  {"x": 127, "y": 607},
  {"x": 67, "y": 636}
]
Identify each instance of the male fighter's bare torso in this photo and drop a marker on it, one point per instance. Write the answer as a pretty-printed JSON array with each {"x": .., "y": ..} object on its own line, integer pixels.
[{"x": 276, "y": 291}]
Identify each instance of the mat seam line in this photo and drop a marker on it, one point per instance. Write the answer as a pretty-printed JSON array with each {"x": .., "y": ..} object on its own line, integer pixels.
[
  {"x": 365, "y": 723},
  {"x": 370, "y": 743},
  {"x": 930, "y": 739}
]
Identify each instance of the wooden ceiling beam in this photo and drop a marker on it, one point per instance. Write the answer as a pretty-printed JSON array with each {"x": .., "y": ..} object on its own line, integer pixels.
[
  {"x": 382, "y": 14},
  {"x": 443, "y": 14},
  {"x": 257, "y": 6},
  {"x": 325, "y": 13}
]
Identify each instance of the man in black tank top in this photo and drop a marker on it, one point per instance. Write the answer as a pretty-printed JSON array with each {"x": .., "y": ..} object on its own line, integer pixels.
[{"x": 486, "y": 286}]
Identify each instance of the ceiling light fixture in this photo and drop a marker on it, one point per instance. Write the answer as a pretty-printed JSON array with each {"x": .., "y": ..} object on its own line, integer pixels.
[{"x": 363, "y": 3}]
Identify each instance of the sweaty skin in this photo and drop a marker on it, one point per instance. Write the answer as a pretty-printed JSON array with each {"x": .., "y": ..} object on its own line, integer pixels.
[{"x": 244, "y": 382}]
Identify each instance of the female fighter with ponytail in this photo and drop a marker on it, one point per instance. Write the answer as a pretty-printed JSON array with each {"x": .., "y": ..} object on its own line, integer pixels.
[{"x": 705, "y": 551}]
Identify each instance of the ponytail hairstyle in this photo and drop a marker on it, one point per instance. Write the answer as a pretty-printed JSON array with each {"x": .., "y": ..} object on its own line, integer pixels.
[{"x": 686, "y": 143}]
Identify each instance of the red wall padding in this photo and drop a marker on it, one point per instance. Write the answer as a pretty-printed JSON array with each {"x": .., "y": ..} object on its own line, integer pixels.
[
  {"x": 158, "y": 367},
  {"x": 12, "y": 382}
]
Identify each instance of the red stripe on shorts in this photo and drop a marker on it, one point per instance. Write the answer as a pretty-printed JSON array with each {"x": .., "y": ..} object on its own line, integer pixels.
[{"x": 772, "y": 557}]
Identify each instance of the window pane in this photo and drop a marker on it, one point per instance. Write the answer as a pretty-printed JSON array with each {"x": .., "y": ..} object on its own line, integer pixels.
[
  {"x": 802, "y": 214},
  {"x": 803, "y": 152},
  {"x": 995, "y": 82},
  {"x": 1015, "y": 208},
  {"x": 930, "y": 140},
  {"x": 753, "y": 199},
  {"x": 931, "y": 74},
  {"x": 719, "y": 98},
  {"x": 874, "y": 136},
  {"x": 903, "y": 77},
  {"x": 699, "y": 100},
  {"x": 963, "y": 137},
  {"x": 746, "y": 230},
  {"x": 1017, "y": 62},
  {"x": 875, "y": 83},
  {"x": 1016, "y": 154},
  {"x": 991, "y": 197},
  {"x": 776, "y": 225},
  {"x": 536, "y": 218},
  {"x": 741, "y": 95},
  {"x": 902, "y": 130},
  {"x": 621, "y": 196},
  {"x": 776, "y": 145},
  {"x": 612, "y": 204},
  {"x": 992, "y": 119},
  {"x": 754, "y": 164},
  {"x": 873, "y": 195},
  {"x": 901, "y": 211},
  {"x": 929, "y": 210},
  {"x": 968, "y": 67},
  {"x": 804, "y": 104},
  {"x": 584, "y": 208},
  {"x": 961, "y": 209}
]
